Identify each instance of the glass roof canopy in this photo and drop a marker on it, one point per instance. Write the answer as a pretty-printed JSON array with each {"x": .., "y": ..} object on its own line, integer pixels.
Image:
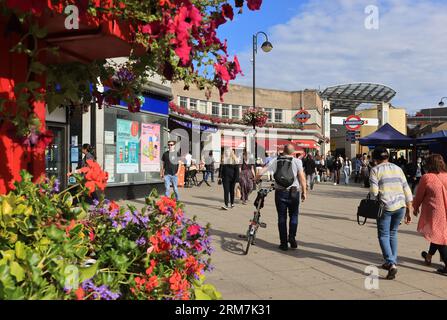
[{"x": 350, "y": 96}]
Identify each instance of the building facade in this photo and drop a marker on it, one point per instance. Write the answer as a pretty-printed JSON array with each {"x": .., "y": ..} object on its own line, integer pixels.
[{"x": 280, "y": 106}]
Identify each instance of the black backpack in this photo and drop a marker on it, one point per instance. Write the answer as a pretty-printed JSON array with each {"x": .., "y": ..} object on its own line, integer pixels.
[{"x": 284, "y": 173}]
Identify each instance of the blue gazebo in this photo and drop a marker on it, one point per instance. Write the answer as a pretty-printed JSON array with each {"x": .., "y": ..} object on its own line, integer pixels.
[{"x": 388, "y": 136}]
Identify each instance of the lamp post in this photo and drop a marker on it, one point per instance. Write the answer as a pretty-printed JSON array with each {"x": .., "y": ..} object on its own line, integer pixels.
[
  {"x": 441, "y": 103},
  {"x": 266, "y": 47}
]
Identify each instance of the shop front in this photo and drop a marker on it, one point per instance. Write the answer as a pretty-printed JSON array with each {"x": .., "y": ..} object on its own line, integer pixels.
[{"x": 130, "y": 148}]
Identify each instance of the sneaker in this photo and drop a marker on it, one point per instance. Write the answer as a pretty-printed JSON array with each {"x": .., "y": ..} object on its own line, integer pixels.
[
  {"x": 232, "y": 206},
  {"x": 225, "y": 207},
  {"x": 284, "y": 247},
  {"x": 293, "y": 243},
  {"x": 392, "y": 273},
  {"x": 386, "y": 266}
]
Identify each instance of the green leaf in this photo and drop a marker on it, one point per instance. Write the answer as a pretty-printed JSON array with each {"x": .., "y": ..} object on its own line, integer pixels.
[
  {"x": 200, "y": 295},
  {"x": 20, "y": 250},
  {"x": 88, "y": 273},
  {"x": 37, "y": 68},
  {"x": 55, "y": 234},
  {"x": 17, "y": 271},
  {"x": 68, "y": 200}
]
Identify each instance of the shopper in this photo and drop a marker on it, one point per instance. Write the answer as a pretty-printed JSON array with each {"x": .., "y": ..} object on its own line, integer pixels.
[
  {"x": 209, "y": 167},
  {"x": 358, "y": 168},
  {"x": 365, "y": 170},
  {"x": 388, "y": 180},
  {"x": 415, "y": 171},
  {"x": 330, "y": 166},
  {"x": 338, "y": 165},
  {"x": 246, "y": 177},
  {"x": 310, "y": 169},
  {"x": 431, "y": 202},
  {"x": 347, "y": 169},
  {"x": 228, "y": 176},
  {"x": 87, "y": 151},
  {"x": 268, "y": 159},
  {"x": 169, "y": 169},
  {"x": 289, "y": 178}
]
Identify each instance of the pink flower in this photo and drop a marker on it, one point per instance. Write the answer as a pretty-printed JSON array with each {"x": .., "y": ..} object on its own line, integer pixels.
[{"x": 193, "y": 230}]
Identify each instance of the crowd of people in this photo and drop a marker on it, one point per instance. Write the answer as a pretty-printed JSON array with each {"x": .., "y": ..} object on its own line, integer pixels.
[{"x": 393, "y": 181}]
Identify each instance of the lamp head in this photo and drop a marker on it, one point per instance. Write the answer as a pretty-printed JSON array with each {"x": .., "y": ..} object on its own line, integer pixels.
[
  {"x": 267, "y": 46},
  {"x": 441, "y": 103}
]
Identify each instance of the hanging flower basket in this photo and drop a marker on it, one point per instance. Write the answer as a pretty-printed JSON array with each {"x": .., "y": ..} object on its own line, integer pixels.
[{"x": 255, "y": 116}]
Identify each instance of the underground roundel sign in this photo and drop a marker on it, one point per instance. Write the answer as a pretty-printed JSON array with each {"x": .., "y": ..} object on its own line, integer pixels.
[
  {"x": 302, "y": 116},
  {"x": 353, "y": 123}
]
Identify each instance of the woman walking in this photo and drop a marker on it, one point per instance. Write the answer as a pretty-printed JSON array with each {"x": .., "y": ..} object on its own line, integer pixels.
[
  {"x": 247, "y": 175},
  {"x": 347, "y": 169},
  {"x": 338, "y": 164},
  {"x": 228, "y": 176},
  {"x": 388, "y": 180},
  {"x": 431, "y": 202}
]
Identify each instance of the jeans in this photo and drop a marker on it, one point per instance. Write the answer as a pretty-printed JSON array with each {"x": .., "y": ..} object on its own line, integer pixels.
[
  {"x": 310, "y": 179},
  {"x": 208, "y": 174},
  {"x": 347, "y": 173},
  {"x": 387, "y": 227},
  {"x": 170, "y": 179},
  {"x": 337, "y": 176},
  {"x": 287, "y": 202}
]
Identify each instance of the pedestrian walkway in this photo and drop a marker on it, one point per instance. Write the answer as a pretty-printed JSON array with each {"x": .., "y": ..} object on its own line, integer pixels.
[{"x": 331, "y": 258}]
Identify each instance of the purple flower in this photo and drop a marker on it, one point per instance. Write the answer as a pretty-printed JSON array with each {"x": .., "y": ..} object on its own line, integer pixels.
[
  {"x": 102, "y": 292},
  {"x": 56, "y": 186},
  {"x": 141, "y": 241}
]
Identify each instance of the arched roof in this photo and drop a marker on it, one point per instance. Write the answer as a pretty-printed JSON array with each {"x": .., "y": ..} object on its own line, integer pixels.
[{"x": 350, "y": 96}]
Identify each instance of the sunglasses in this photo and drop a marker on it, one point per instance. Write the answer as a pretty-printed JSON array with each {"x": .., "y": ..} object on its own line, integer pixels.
[{"x": 171, "y": 145}]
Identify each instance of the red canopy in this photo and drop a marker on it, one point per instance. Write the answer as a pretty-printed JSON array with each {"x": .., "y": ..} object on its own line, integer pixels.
[
  {"x": 233, "y": 142},
  {"x": 307, "y": 144}
]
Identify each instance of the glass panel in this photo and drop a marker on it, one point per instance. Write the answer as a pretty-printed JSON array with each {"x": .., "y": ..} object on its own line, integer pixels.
[
  {"x": 193, "y": 104},
  {"x": 235, "y": 112},
  {"x": 269, "y": 112},
  {"x": 215, "y": 109},
  {"x": 184, "y": 102},
  {"x": 278, "y": 115},
  {"x": 129, "y": 158},
  {"x": 54, "y": 155},
  {"x": 225, "y": 111}
]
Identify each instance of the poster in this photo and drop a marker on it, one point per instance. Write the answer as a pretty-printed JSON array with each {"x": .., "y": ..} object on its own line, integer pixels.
[
  {"x": 109, "y": 137},
  {"x": 150, "y": 147},
  {"x": 109, "y": 166},
  {"x": 127, "y": 137},
  {"x": 74, "y": 154}
]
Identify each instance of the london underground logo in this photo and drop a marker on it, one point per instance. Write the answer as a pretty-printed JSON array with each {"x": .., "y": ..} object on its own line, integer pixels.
[
  {"x": 353, "y": 123},
  {"x": 302, "y": 116}
]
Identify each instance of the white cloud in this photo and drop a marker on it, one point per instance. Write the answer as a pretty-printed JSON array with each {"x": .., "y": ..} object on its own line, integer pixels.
[{"x": 327, "y": 44}]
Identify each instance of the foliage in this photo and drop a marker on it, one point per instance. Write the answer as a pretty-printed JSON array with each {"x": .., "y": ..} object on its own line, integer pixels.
[
  {"x": 54, "y": 245},
  {"x": 255, "y": 116},
  {"x": 178, "y": 36}
]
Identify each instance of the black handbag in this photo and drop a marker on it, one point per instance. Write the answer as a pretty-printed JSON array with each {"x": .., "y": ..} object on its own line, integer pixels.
[{"x": 370, "y": 209}]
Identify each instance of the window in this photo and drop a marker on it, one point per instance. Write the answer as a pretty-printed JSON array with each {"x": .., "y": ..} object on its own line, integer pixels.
[
  {"x": 203, "y": 106},
  {"x": 235, "y": 112},
  {"x": 269, "y": 112},
  {"x": 225, "y": 111},
  {"x": 215, "y": 109},
  {"x": 278, "y": 115},
  {"x": 244, "y": 109},
  {"x": 184, "y": 102},
  {"x": 193, "y": 104}
]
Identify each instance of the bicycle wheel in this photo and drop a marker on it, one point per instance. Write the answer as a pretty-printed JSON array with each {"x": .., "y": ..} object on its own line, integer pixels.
[{"x": 249, "y": 240}]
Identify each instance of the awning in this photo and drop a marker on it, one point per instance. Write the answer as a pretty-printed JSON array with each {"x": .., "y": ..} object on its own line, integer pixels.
[
  {"x": 387, "y": 136},
  {"x": 306, "y": 144},
  {"x": 233, "y": 142}
]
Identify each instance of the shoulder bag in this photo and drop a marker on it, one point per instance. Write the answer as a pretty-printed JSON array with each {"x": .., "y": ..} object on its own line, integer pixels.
[{"x": 370, "y": 209}]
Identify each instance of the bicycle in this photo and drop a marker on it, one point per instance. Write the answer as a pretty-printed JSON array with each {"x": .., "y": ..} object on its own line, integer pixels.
[{"x": 255, "y": 223}]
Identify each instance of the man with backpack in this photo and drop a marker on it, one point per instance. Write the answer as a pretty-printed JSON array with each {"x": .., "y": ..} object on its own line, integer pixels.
[{"x": 289, "y": 178}]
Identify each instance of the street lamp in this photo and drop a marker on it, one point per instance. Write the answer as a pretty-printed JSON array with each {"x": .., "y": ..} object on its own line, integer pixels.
[
  {"x": 266, "y": 47},
  {"x": 441, "y": 103}
]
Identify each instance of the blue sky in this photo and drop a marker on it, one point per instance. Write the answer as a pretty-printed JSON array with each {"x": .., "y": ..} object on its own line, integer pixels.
[{"x": 318, "y": 43}]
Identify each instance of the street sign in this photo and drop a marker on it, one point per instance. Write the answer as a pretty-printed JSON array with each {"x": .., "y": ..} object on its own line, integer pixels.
[
  {"x": 353, "y": 123},
  {"x": 368, "y": 122},
  {"x": 302, "y": 116}
]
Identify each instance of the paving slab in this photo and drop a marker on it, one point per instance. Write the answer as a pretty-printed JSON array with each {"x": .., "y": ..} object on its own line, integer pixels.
[{"x": 333, "y": 251}]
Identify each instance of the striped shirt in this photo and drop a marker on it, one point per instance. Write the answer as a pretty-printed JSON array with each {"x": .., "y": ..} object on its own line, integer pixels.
[{"x": 390, "y": 181}]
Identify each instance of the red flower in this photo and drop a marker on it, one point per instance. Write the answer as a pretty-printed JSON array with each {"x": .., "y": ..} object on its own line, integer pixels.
[
  {"x": 96, "y": 178},
  {"x": 70, "y": 226},
  {"x": 149, "y": 270},
  {"x": 193, "y": 230},
  {"x": 227, "y": 11},
  {"x": 80, "y": 294},
  {"x": 254, "y": 4},
  {"x": 91, "y": 235},
  {"x": 113, "y": 206},
  {"x": 151, "y": 283},
  {"x": 177, "y": 283}
]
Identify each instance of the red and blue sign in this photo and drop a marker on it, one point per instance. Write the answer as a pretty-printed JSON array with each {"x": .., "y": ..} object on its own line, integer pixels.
[
  {"x": 302, "y": 116},
  {"x": 353, "y": 123}
]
